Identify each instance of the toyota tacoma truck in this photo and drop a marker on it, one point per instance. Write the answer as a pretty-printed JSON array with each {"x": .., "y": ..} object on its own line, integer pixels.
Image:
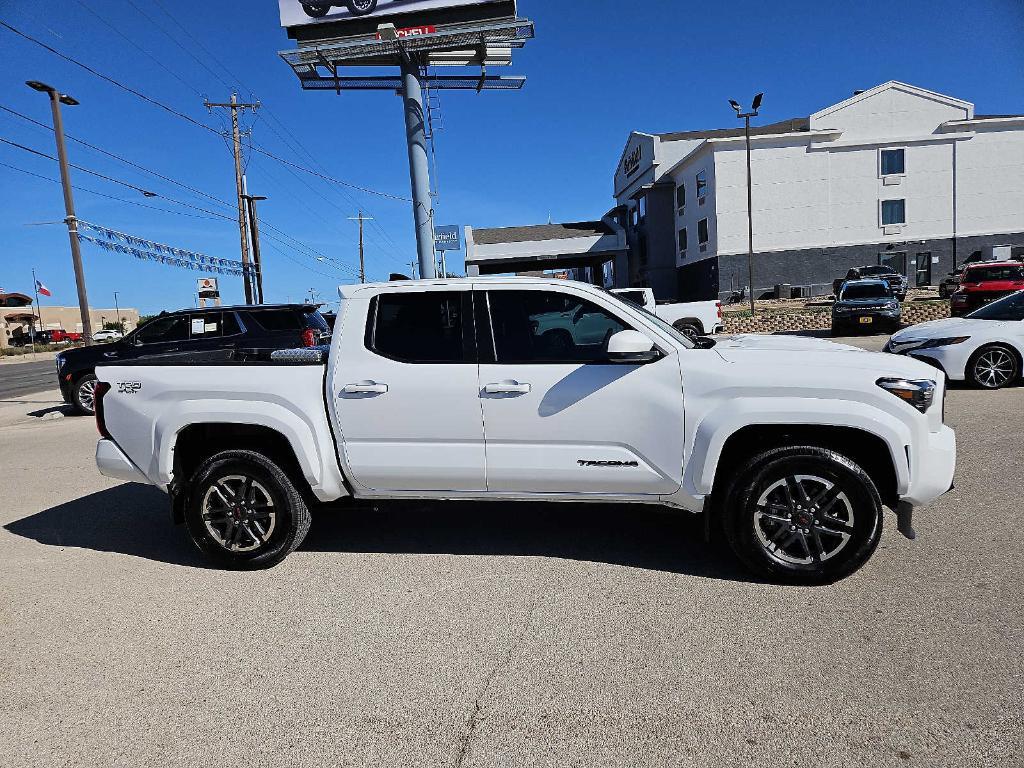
[
  {"x": 452, "y": 389},
  {"x": 693, "y": 318}
]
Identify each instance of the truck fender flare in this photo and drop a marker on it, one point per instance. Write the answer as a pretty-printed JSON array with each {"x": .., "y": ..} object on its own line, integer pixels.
[
  {"x": 733, "y": 415},
  {"x": 296, "y": 429}
]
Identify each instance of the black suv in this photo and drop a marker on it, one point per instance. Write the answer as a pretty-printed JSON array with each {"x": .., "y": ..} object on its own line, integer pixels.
[
  {"x": 897, "y": 283},
  {"x": 193, "y": 335}
]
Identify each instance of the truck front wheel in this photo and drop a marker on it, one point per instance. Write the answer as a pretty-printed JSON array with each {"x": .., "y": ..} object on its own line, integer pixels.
[
  {"x": 361, "y": 7},
  {"x": 244, "y": 512},
  {"x": 803, "y": 514}
]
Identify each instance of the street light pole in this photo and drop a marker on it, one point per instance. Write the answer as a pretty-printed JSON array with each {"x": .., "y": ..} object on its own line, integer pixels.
[
  {"x": 745, "y": 116},
  {"x": 117, "y": 309},
  {"x": 56, "y": 99}
]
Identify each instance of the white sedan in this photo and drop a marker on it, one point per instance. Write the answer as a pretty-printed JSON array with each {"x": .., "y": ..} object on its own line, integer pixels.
[
  {"x": 985, "y": 348},
  {"x": 107, "y": 335}
]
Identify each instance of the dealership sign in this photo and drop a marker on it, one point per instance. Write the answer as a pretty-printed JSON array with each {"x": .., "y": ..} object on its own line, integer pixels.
[
  {"x": 413, "y": 31},
  {"x": 448, "y": 238},
  {"x": 295, "y": 13},
  {"x": 632, "y": 162}
]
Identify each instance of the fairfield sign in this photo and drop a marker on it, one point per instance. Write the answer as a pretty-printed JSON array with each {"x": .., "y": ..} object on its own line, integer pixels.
[
  {"x": 631, "y": 163},
  {"x": 427, "y": 29}
]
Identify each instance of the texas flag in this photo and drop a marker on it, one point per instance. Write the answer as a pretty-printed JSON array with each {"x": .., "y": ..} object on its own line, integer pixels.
[{"x": 42, "y": 289}]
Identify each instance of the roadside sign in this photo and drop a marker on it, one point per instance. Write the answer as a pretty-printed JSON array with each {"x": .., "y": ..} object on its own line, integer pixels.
[{"x": 448, "y": 238}]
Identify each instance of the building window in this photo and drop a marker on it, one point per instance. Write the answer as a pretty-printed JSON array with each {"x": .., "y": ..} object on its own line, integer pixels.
[
  {"x": 634, "y": 216},
  {"x": 680, "y": 198},
  {"x": 702, "y": 231},
  {"x": 641, "y": 207},
  {"x": 894, "y": 212},
  {"x": 702, "y": 184},
  {"x": 893, "y": 162},
  {"x": 682, "y": 242}
]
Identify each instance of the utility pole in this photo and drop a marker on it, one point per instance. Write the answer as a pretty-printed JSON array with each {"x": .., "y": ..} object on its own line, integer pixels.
[
  {"x": 745, "y": 116},
  {"x": 362, "y": 263},
  {"x": 236, "y": 137},
  {"x": 117, "y": 309},
  {"x": 254, "y": 227},
  {"x": 56, "y": 99},
  {"x": 419, "y": 165}
]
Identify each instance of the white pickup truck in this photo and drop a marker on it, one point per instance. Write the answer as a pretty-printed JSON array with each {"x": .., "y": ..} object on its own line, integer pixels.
[
  {"x": 693, "y": 318},
  {"x": 456, "y": 389}
]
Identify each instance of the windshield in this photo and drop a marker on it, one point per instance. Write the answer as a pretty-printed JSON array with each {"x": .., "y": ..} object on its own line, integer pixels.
[
  {"x": 865, "y": 291},
  {"x": 1007, "y": 308},
  {"x": 675, "y": 334},
  {"x": 1009, "y": 272}
]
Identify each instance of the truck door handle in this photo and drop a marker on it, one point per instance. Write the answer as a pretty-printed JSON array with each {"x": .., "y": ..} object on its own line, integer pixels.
[
  {"x": 365, "y": 388},
  {"x": 507, "y": 388}
]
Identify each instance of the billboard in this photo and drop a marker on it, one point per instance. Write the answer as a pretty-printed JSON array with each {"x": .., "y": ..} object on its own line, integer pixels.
[
  {"x": 448, "y": 238},
  {"x": 295, "y": 13}
]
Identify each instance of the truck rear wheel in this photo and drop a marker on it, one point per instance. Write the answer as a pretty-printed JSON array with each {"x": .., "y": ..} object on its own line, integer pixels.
[
  {"x": 803, "y": 514},
  {"x": 689, "y": 330},
  {"x": 361, "y": 7},
  {"x": 244, "y": 512}
]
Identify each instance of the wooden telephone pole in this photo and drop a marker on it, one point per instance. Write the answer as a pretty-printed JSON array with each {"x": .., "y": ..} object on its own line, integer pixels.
[
  {"x": 235, "y": 106},
  {"x": 362, "y": 263}
]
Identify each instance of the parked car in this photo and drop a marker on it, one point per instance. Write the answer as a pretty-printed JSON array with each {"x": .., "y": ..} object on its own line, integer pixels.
[
  {"x": 445, "y": 389},
  {"x": 985, "y": 348},
  {"x": 62, "y": 336},
  {"x": 693, "y": 318},
  {"x": 192, "y": 335},
  {"x": 107, "y": 335},
  {"x": 897, "y": 283},
  {"x": 355, "y": 7},
  {"x": 865, "y": 305},
  {"x": 27, "y": 339},
  {"x": 984, "y": 283}
]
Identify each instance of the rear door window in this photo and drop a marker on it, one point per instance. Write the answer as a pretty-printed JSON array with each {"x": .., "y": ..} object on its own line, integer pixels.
[
  {"x": 205, "y": 326},
  {"x": 428, "y": 327}
]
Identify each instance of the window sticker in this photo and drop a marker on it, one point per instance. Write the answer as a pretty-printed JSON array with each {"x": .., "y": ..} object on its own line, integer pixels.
[{"x": 198, "y": 325}]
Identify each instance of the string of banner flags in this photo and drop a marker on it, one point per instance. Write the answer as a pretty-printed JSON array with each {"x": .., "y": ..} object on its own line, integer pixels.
[{"x": 147, "y": 250}]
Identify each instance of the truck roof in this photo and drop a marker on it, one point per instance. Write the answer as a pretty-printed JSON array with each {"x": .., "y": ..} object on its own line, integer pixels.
[{"x": 350, "y": 290}]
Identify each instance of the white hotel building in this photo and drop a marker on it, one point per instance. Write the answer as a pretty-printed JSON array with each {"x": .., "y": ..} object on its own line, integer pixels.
[{"x": 895, "y": 175}]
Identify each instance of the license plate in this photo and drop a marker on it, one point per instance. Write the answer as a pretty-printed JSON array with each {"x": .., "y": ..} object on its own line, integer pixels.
[{"x": 867, "y": 320}]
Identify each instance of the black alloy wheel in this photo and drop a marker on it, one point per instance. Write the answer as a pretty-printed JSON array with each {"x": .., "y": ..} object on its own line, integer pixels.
[
  {"x": 244, "y": 511},
  {"x": 803, "y": 514},
  {"x": 316, "y": 10},
  {"x": 361, "y": 7}
]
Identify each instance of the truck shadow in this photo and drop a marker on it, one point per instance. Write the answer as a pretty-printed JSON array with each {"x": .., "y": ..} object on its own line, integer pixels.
[{"x": 134, "y": 520}]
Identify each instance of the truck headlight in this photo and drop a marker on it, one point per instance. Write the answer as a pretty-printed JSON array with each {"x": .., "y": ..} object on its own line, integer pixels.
[{"x": 917, "y": 392}]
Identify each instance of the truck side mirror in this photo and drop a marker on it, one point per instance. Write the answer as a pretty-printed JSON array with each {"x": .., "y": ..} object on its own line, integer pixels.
[{"x": 631, "y": 347}]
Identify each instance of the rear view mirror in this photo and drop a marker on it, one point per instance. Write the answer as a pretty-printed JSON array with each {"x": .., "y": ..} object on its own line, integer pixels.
[{"x": 631, "y": 347}]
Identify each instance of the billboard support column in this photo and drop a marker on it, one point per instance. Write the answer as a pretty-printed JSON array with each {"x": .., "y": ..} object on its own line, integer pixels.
[{"x": 419, "y": 168}]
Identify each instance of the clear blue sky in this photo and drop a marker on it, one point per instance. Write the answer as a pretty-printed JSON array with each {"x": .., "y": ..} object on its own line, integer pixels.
[{"x": 596, "y": 71}]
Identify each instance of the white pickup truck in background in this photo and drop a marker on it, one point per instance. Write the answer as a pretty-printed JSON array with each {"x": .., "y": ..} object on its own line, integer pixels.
[
  {"x": 693, "y": 318},
  {"x": 536, "y": 390}
]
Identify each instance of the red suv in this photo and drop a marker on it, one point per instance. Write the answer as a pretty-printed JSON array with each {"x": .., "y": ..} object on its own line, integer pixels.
[{"x": 984, "y": 283}]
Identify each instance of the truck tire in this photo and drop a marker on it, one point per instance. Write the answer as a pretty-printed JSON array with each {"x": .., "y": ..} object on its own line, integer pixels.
[
  {"x": 316, "y": 10},
  {"x": 361, "y": 7},
  {"x": 83, "y": 394},
  {"x": 993, "y": 367},
  {"x": 802, "y": 514},
  {"x": 244, "y": 512},
  {"x": 689, "y": 330}
]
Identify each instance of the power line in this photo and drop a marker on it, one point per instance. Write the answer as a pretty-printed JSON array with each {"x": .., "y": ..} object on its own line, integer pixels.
[
  {"x": 138, "y": 47},
  {"x": 170, "y": 37},
  {"x": 144, "y": 192},
  {"x": 193, "y": 121},
  {"x": 103, "y": 194},
  {"x": 317, "y": 255}
]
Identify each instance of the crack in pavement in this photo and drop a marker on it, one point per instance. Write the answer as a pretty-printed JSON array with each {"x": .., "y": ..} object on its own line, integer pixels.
[{"x": 474, "y": 717}]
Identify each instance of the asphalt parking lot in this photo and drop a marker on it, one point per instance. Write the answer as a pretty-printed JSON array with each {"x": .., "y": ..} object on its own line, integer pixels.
[{"x": 500, "y": 635}]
